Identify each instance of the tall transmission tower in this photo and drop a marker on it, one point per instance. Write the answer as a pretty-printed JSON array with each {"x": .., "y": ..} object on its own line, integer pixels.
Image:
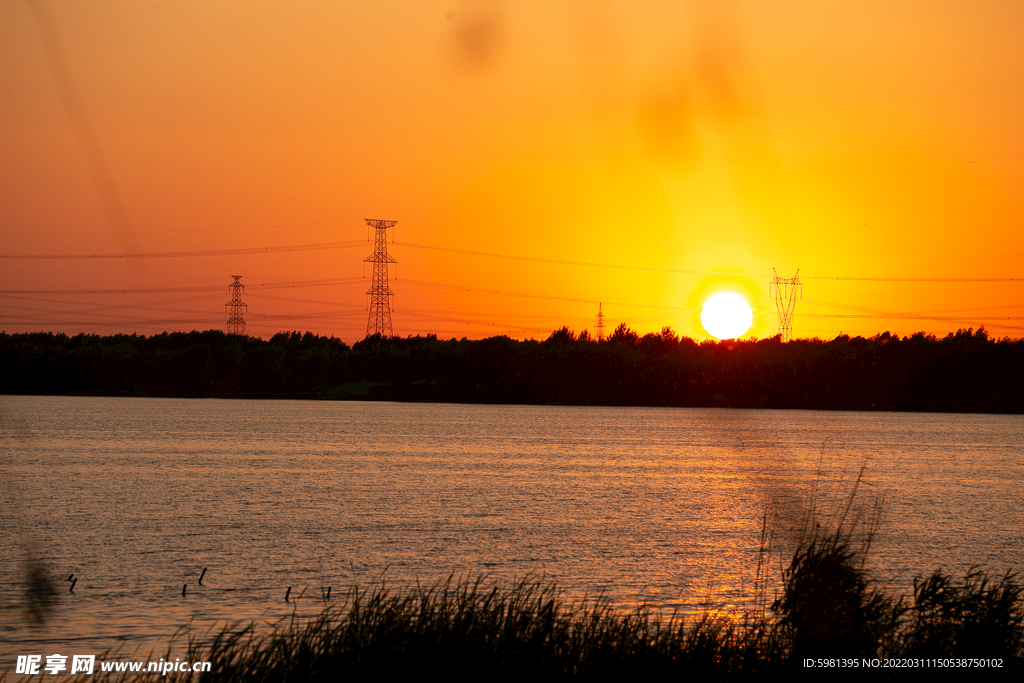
[
  {"x": 236, "y": 307},
  {"x": 379, "y": 321},
  {"x": 600, "y": 323},
  {"x": 785, "y": 301}
]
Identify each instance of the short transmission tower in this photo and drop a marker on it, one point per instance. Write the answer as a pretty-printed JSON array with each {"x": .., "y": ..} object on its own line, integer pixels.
[
  {"x": 379, "y": 321},
  {"x": 236, "y": 307},
  {"x": 600, "y": 323},
  {"x": 785, "y": 301}
]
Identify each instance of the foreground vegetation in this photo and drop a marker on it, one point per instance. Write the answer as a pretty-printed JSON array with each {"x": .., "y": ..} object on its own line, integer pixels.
[
  {"x": 828, "y": 608},
  {"x": 962, "y": 372}
]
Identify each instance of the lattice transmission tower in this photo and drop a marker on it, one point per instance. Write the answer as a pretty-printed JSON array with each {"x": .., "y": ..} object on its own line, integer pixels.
[
  {"x": 785, "y": 300},
  {"x": 600, "y": 323},
  {"x": 236, "y": 307},
  {"x": 379, "y": 321}
]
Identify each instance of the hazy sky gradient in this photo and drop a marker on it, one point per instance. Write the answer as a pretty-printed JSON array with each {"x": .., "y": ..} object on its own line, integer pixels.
[{"x": 864, "y": 139}]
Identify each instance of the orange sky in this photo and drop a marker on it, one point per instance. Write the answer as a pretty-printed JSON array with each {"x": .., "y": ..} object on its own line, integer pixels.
[{"x": 856, "y": 139}]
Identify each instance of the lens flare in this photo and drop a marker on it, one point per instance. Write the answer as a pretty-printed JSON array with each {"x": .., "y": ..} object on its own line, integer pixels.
[{"x": 726, "y": 315}]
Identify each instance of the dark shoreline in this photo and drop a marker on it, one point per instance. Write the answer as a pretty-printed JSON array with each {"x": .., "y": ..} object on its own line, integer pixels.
[{"x": 966, "y": 372}]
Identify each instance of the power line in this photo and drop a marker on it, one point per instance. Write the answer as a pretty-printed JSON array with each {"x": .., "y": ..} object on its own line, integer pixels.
[
  {"x": 987, "y": 322},
  {"x": 681, "y": 271},
  {"x": 323, "y": 282},
  {"x": 189, "y": 254},
  {"x": 866, "y": 312},
  {"x": 546, "y": 297},
  {"x": 101, "y": 309},
  {"x": 381, "y": 258},
  {"x": 205, "y": 297},
  {"x": 470, "y": 321},
  {"x": 745, "y": 251},
  {"x": 238, "y": 230},
  {"x": 466, "y": 252},
  {"x": 284, "y": 284},
  {"x": 562, "y": 262},
  {"x": 200, "y": 318},
  {"x": 137, "y": 290},
  {"x": 913, "y": 279}
]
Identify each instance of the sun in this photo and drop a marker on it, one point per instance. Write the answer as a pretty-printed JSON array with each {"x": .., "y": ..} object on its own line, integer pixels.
[{"x": 726, "y": 315}]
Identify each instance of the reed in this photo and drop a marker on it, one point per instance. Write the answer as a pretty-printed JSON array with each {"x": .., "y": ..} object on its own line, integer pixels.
[
  {"x": 961, "y": 618},
  {"x": 464, "y": 628},
  {"x": 829, "y": 608}
]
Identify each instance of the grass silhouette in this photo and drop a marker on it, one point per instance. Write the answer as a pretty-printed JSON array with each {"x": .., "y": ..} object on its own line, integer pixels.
[
  {"x": 829, "y": 607},
  {"x": 463, "y": 629}
]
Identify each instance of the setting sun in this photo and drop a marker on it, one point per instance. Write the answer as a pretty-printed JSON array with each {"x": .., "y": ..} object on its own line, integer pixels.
[{"x": 726, "y": 315}]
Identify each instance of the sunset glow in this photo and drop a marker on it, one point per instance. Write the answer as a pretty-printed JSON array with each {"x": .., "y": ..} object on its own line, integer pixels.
[{"x": 538, "y": 162}]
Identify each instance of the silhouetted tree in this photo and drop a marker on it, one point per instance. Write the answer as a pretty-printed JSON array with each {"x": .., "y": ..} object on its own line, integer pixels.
[
  {"x": 623, "y": 335},
  {"x": 964, "y": 371}
]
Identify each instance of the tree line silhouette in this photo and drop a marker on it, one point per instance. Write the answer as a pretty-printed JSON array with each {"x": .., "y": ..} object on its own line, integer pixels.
[{"x": 963, "y": 372}]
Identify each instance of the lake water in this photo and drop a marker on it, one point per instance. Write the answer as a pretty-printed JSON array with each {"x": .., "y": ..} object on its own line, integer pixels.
[{"x": 646, "y": 505}]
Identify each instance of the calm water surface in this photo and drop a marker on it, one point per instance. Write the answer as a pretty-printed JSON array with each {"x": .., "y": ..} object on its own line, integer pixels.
[{"x": 663, "y": 506}]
